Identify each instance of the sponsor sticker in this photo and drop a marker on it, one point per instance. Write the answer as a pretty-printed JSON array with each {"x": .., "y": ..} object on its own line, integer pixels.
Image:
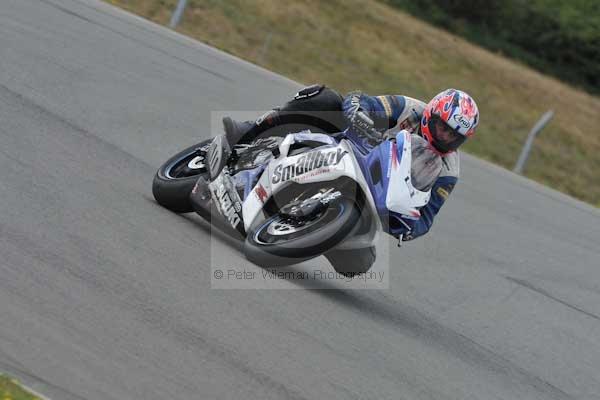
[
  {"x": 462, "y": 121},
  {"x": 443, "y": 193},
  {"x": 261, "y": 193},
  {"x": 307, "y": 163},
  {"x": 228, "y": 208}
]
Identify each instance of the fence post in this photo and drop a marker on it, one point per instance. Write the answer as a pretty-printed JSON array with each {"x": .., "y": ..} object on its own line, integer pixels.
[
  {"x": 178, "y": 13},
  {"x": 265, "y": 49},
  {"x": 529, "y": 142}
]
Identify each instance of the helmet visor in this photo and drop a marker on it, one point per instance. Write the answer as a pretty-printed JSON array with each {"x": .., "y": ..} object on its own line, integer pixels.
[{"x": 445, "y": 139}]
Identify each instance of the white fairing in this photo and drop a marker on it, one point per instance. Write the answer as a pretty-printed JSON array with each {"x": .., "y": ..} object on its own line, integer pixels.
[
  {"x": 284, "y": 146},
  {"x": 326, "y": 163},
  {"x": 254, "y": 202},
  {"x": 329, "y": 162},
  {"x": 402, "y": 197}
]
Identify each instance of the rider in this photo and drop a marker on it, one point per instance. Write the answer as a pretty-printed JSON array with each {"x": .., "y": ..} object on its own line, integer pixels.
[{"x": 445, "y": 123}]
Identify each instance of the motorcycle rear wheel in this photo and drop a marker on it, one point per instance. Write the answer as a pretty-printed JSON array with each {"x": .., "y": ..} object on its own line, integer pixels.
[{"x": 176, "y": 178}]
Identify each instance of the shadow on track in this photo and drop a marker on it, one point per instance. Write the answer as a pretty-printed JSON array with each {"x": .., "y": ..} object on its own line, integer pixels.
[{"x": 383, "y": 309}]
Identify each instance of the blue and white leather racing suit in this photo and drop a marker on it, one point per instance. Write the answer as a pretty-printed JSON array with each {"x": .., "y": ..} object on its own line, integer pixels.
[{"x": 402, "y": 112}]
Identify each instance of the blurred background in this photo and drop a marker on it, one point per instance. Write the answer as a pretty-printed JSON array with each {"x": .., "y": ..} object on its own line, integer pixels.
[{"x": 517, "y": 58}]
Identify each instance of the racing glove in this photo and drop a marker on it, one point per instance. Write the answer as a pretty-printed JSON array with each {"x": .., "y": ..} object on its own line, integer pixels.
[
  {"x": 359, "y": 119},
  {"x": 361, "y": 122}
]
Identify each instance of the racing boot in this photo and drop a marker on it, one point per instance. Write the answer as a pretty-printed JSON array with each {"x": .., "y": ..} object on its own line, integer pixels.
[
  {"x": 247, "y": 131},
  {"x": 235, "y": 130},
  {"x": 222, "y": 146}
]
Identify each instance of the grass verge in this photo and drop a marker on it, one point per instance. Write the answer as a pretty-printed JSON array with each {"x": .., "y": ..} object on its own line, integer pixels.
[
  {"x": 11, "y": 390},
  {"x": 367, "y": 45}
]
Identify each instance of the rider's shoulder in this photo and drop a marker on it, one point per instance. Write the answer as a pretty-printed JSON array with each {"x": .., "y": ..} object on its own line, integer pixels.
[
  {"x": 414, "y": 104},
  {"x": 404, "y": 105}
]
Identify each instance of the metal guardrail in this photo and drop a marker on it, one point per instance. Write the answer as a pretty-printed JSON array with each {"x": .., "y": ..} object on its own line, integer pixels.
[
  {"x": 529, "y": 142},
  {"x": 178, "y": 13}
]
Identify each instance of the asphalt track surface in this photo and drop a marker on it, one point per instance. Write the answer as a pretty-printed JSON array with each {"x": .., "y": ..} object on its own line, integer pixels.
[{"x": 105, "y": 295}]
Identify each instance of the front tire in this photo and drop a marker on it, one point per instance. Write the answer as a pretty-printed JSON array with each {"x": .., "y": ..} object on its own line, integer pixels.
[
  {"x": 176, "y": 178},
  {"x": 280, "y": 241},
  {"x": 353, "y": 261}
]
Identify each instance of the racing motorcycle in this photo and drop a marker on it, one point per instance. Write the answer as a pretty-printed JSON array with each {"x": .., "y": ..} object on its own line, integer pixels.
[{"x": 296, "y": 197}]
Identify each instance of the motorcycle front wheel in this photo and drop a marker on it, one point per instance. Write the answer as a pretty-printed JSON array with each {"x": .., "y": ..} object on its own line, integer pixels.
[{"x": 280, "y": 240}]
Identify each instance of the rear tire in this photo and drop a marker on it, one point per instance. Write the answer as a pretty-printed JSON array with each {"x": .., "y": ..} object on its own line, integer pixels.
[{"x": 175, "y": 180}]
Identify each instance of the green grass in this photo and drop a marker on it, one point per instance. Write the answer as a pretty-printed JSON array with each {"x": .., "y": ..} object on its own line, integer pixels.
[
  {"x": 367, "y": 45},
  {"x": 11, "y": 390}
]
